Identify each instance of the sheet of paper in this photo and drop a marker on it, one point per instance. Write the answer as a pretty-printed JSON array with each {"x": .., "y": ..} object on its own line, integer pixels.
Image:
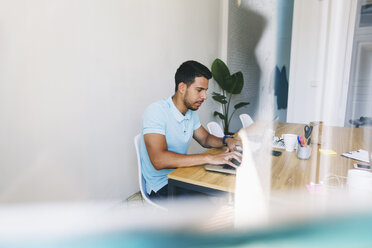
[{"x": 361, "y": 155}]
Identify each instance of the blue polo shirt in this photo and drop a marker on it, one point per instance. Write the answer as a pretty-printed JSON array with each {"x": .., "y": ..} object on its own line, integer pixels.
[{"x": 164, "y": 118}]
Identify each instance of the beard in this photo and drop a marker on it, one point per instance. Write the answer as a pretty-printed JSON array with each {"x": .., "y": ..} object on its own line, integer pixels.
[{"x": 191, "y": 105}]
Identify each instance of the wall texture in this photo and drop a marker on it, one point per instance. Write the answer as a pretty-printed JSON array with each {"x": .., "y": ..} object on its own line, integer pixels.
[
  {"x": 251, "y": 49},
  {"x": 75, "y": 77}
]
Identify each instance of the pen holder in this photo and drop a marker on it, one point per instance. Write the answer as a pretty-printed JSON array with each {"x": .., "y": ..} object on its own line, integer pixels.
[{"x": 303, "y": 152}]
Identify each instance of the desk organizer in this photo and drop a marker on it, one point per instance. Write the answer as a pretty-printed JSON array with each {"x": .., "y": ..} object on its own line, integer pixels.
[{"x": 303, "y": 152}]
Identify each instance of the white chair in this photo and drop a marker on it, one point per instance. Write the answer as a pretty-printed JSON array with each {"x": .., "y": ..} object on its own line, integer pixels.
[
  {"x": 142, "y": 182},
  {"x": 215, "y": 129},
  {"x": 246, "y": 120}
]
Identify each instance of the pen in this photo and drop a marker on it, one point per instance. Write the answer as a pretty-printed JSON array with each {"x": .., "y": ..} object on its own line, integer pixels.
[
  {"x": 302, "y": 138},
  {"x": 303, "y": 141},
  {"x": 298, "y": 139}
]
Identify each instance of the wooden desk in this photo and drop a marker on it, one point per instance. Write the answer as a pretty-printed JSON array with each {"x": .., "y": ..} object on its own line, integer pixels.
[
  {"x": 198, "y": 179},
  {"x": 287, "y": 171}
]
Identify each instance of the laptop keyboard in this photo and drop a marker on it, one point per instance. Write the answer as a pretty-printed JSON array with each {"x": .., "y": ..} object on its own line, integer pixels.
[
  {"x": 229, "y": 167},
  {"x": 236, "y": 162}
]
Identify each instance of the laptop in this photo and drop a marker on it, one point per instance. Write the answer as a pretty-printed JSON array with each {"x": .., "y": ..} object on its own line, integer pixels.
[{"x": 223, "y": 168}]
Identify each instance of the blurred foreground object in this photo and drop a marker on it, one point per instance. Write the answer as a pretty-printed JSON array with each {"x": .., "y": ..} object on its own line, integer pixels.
[{"x": 293, "y": 221}]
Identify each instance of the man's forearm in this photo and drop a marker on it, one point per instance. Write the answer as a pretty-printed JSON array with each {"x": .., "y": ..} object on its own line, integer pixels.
[
  {"x": 171, "y": 160},
  {"x": 213, "y": 141}
]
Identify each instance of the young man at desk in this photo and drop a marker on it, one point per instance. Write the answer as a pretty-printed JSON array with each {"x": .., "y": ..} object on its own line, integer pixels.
[{"x": 168, "y": 126}]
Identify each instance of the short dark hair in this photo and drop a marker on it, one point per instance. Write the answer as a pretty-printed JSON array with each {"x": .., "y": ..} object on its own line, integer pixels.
[{"x": 189, "y": 70}]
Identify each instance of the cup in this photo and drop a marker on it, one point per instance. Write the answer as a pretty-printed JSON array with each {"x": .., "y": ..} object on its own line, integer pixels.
[
  {"x": 359, "y": 179},
  {"x": 303, "y": 152},
  {"x": 359, "y": 183},
  {"x": 290, "y": 141}
]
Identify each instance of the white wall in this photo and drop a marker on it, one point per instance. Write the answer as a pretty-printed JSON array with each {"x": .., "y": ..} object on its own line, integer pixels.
[
  {"x": 75, "y": 77},
  {"x": 359, "y": 101},
  {"x": 320, "y": 60}
]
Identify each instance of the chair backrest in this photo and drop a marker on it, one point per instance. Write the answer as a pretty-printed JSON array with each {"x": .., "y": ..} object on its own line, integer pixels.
[
  {"x": 141, "y": 179},
  {"x": 362, "y": 121},
  {"x": 215, "y": 129},
  {"x": 246, "y": 120}
]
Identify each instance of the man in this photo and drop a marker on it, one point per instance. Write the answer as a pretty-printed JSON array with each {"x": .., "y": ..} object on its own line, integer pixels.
[{"x": 169, "y": 124}]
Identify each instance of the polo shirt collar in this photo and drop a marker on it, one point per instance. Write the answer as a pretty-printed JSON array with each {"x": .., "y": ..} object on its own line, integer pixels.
[{"x": 176, "y": 113}]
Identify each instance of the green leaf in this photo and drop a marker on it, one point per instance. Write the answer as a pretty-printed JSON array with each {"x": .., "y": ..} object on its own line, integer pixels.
[
  {"x": 241, "y": 104},
  {"x": 219, "y": 98},
  {"x": 222, "y": 101},
  {"x": 235, "y": 83},
  {"x": 222, "y": 117},
  {"x": 220, "y": 73},
  {"x": 218, "y": 95}
]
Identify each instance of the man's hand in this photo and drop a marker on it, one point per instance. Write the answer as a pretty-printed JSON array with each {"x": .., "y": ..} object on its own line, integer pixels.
[
  {"x": 208, "y": 140},
  {"x": 224, "y": 158},
  {"x": 233, "y": 143}
]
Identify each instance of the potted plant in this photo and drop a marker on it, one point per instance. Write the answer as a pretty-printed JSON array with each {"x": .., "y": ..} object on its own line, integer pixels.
[{"x": 230, "y": 85}]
